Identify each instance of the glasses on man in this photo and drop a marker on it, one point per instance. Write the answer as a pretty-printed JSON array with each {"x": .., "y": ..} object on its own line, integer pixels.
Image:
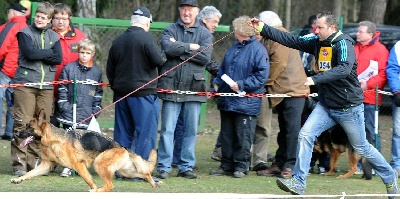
[
  {"x": 61, "y": 18},
  {"x": 362, "y": 32}
]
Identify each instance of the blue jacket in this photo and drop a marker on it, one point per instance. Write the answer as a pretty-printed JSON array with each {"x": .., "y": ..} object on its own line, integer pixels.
[
  {"x": 393, "y": 68},
  {"x": 247, "y": 63}
]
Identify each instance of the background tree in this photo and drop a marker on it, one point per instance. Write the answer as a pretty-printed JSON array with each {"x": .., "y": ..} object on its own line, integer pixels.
[
  {"x": 86, "y": 9},
  {"x": 373, "y": 10},
  {"x": 294, "y": 14}
]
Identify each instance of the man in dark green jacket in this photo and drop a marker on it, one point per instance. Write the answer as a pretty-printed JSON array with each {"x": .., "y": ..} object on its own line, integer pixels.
[
  {"x": 39, "y": 53},
  {"x": 181, "y": 41}
]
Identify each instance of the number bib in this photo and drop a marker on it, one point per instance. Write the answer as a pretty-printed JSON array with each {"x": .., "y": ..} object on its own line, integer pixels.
[{"x": 325, "y": 59}]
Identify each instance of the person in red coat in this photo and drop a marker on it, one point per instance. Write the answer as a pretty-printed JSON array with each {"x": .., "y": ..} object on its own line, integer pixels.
[
  {"x": 69, "y": 40},
  {"x": 9, "y": 58},
  {"x": 372, "y": 57}
]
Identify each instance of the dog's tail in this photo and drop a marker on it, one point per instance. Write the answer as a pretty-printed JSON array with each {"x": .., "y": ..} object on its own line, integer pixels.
[
  {"x": 367, "y": 169},
  {"x": 152, "y": 159}
]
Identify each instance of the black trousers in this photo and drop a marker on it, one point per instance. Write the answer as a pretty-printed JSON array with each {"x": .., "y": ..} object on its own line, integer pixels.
[
  {"x": 289, "y": 118},
  {"x": 237, "y": 136}
]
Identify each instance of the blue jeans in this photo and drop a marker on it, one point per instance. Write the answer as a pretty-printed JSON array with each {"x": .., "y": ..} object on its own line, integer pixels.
[
  {"x": 178, "y": 136},
  {"x": 352, "y": 121},
  {"x": 395, "y": 152},
  {"x": 169, "y": 117},
  {"x": 4, "y": 79},
  {"x": 369, "y": 114},
  {"x": 136, "y": 123},
  {"x": 9, "y": 118}
]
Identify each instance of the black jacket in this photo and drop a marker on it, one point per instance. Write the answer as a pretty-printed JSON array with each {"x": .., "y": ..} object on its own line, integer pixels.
[
  {"x": 132, "y": 62},
  {"x": 338, "y": 87},
  {"x": 88, "y": 96},
  {"x": 39, "y": 53}
]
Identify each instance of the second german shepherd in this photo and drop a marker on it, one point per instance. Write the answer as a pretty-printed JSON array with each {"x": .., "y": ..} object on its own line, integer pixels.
[
  {"x": 80, "y": 150},
  {"x": 335, "y": 142}
]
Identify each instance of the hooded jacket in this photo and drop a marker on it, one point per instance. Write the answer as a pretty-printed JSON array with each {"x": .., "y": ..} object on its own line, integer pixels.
[
  {"x": 338, "y": 86},
  {"x": 375, "y": 51},
  {"x": 246, "y": 63}
]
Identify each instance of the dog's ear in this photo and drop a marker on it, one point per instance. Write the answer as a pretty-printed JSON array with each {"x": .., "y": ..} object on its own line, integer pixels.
[{"x": 41, "y": 117}]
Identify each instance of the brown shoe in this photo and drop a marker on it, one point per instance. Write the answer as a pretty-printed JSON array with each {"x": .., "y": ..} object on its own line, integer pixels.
[
  {"x": 274, "y": 170},
  {"x": 286, "y": 173}
]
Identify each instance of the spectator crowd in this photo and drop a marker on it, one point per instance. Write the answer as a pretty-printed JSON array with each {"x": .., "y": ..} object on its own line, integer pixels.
[{"x": 264, "y": 59}]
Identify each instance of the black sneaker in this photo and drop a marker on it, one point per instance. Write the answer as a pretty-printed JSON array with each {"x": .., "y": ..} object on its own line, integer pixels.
[
  {"x": 311, "y": 170},
  {"x": 260, "y": 166},
  {"x": 6, "y": 137},
  {"x": 137, "y": 179},
  {"x": 163, "y": 175},
  {"x": 239, "y": 174},
  {"x": 187, "y": 174},
  {"x": 216, "y": 154},
  {"x": 220, "y": 172},
  {"x": 118, "y": 176}
]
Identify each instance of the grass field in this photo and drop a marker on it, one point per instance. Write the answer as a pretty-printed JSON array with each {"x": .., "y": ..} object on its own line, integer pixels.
[{"x": 251, "y": 184}]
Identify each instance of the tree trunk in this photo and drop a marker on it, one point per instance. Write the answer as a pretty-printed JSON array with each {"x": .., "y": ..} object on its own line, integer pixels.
[
  {"x": 273, "y": 5},
  {"x": 87, "y": 9},
  {"x": 353, "y": 7},
  {"x": 373, "y": 10},
  {"x": 337, "y": 8},
  {"x": 288, "y": 12}
]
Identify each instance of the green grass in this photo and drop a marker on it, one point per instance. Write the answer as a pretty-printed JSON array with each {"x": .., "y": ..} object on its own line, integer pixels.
[{"x": 251, "y": 184}]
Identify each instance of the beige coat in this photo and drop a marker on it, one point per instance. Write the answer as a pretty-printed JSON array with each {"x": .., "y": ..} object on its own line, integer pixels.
[{"x": 287, "y": 75}]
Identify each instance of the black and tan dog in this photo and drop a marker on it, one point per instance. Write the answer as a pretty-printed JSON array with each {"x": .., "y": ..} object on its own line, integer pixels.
[
  {"x": 335, "y": 142},
  {"x": 80, "y": 150}
]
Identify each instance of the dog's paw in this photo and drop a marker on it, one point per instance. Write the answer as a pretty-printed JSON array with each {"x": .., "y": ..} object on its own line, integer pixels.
[
  {"x": 342, "y": 177},
  {"x": 16, "y": 180},
  {"x": 328, "y": 174},
  {"x": 158, "y": 184}
]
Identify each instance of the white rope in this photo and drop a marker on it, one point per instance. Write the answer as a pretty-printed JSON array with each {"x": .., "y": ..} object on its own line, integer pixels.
[{"x": 107, "y": 195}]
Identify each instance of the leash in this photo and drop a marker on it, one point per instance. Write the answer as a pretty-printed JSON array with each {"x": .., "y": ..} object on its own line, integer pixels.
[{"x": 158, "y": 77}]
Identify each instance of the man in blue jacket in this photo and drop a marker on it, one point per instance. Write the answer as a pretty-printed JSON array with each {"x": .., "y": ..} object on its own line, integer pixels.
[
  {"x": 340, "y": 99},
  {"x": 392, "y": 73},
  {"x": 180, "y": 42}
]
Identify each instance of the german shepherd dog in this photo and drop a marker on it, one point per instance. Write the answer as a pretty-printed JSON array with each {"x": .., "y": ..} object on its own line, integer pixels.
[
  {"x": 79, "y": 150},
  {"x": 335, "y": 142}
]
